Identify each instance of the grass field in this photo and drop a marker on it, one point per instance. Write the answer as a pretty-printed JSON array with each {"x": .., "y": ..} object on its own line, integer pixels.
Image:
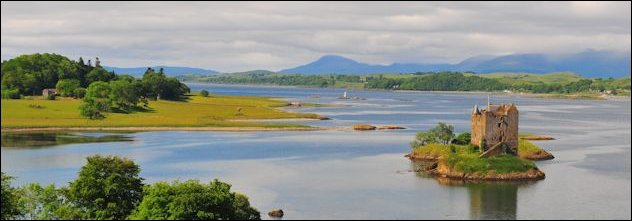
[
  {"x": 197, "y": 111},
  {"x": 528, "y": 78}
]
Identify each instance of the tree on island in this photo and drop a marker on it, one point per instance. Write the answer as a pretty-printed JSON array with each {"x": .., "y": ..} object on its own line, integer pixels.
[{"x": 442, "y": 133}]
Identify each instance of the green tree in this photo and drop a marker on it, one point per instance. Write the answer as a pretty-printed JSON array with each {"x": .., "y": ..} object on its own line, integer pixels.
[
  {"x": 463, "y": 138},
  {"x": 99, "y": 74},
  {"x": 192, "y": 200},
  {"x": 43, "y": 203},
  {"x": 96, "y": 101},
  {"x": 66, "y": 87},
  {"x": 443, "y": 132},
  {"x": 124, "y": 94},
  {"x": 108, "y": 187},
  {"x": 11, "y": 209},
  {"x": 423, "y": 138}
]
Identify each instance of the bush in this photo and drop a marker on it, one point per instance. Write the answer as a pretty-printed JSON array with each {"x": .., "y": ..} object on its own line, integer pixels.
[
  {"x": 192, "y": 200},
  {"x": 79, "y": 92},
  {"x": 10, "y": 94},
  {"x": 442, "y": 133},
  {"x": 204, "y": 93},
  {"x": 51, "y": 96},
  {"x": 108, "y": 187}
]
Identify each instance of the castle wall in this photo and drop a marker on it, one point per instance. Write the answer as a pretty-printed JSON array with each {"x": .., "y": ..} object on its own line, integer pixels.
[{"x": 496, "y": 127}]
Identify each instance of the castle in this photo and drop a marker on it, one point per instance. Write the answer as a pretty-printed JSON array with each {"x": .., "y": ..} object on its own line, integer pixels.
[{"x": 495, "y": 129}]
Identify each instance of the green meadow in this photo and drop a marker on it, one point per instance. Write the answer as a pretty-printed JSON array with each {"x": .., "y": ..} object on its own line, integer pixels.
[{"x": 195, "y": 111}]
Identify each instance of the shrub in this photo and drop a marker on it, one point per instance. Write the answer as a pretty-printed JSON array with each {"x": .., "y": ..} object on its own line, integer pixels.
[
  {"x": 79, "y": 92},
  {"x": 204, "y": 93},
  {"x": 10, "y": 94}
]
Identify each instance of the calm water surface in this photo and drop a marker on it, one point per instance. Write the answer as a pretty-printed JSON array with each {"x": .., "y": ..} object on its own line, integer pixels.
[{"x": 357, "y": 175}]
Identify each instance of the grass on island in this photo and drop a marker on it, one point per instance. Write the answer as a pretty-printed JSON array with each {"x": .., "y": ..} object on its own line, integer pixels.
[
  {"x": 196, "y": 111},
  {"x": 526, "y": 149},
  {"x": 465, "y": 158},
  {"x": 443, "y": 150},
  {"x": 503, "y": 164}
]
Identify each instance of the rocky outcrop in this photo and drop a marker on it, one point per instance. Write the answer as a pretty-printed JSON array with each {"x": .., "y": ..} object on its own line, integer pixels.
[
  {"x": 390, "y": 127},
  {"x": 363, "y": 127},
  {"x": 276, "y": 213},
  {"x": 444, "y": 171},
  {"x": 537, "y": 155},
  {"x": 536, "y": 137},
  {"x": 422, "y": 157}
]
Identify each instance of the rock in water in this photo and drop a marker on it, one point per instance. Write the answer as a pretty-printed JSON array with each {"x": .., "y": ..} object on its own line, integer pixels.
[
  {"x": 363, "y": 127},
  {"x": 276, "y": 213}
]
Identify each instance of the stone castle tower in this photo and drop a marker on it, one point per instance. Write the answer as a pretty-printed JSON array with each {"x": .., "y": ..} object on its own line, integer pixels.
[{"x": 497, "y": 124}]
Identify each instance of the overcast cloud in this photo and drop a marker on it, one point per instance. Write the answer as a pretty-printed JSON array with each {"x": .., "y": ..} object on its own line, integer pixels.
[{"x": 240, "y": 36}]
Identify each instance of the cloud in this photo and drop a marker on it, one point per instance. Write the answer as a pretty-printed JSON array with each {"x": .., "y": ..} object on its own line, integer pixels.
[{"x": 243, "y": 36}]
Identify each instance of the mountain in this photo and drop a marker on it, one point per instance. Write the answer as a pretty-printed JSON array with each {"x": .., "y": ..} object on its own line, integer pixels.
[
  {"x": 169, "y": 70},
  {"x": 589, "y": 63},
  {"x": 330, "y": 64}
]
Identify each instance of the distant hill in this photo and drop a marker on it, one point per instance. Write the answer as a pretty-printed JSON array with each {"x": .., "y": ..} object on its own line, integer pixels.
[
  {"x": 169, "y": 70},
  {"x": 333, "y": 64},
  {"x": 590, "y": 63}
]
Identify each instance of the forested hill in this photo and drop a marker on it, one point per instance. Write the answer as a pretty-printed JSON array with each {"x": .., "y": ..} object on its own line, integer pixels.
[{"x": 431, "y": 81}]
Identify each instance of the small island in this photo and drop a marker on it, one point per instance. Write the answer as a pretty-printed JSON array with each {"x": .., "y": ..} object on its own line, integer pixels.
[{"x": 492, "y": 151}]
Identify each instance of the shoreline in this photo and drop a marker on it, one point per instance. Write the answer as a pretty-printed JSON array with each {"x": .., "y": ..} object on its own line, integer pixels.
[
  {"x": 521, "y": 94},
  {"x": 143, "y": 129}
]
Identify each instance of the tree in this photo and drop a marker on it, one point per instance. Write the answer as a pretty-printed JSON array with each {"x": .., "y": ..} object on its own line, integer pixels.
[
  {"x": 204, "y": 93},
  {"x": 108, "y": 187},
  {"x": 99, "y": 74},
  {"x": 124, "y": 94},
  {"x": 10, "y": 200},
  {"x": 443, "y": 132},
  {"x": 192, "y": 200},
  {"x": 463, "y": 138},
  {"x": 96, "y": 101},
  {"x": 42, "y": 203},
  {"x": 66, "y": 87},
  {"x": 32, "y": 73},
  {"x": 423, "y": 138}
]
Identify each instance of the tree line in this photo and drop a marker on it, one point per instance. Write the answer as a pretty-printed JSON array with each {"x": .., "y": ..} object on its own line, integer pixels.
[
  {"x": 109, "y": 187},
  {"x": 422, "y": 81}
]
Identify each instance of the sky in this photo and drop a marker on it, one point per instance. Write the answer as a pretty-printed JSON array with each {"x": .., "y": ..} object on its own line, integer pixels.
[{"x": 241, "y": 36}]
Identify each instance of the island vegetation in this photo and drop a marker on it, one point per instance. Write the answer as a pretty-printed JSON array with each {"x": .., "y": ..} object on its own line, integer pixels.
[
  {"x": 564, "y": 83},
  {"x": 109, "y": 187},
  {"x": 91, "y": 97},
  {"x": 456, "y": 157}
]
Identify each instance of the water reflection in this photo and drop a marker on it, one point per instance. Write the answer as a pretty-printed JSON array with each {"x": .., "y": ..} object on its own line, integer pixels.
[
  {"x": 48, "y": 139},
  {"x": 488, "y": 200}
]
